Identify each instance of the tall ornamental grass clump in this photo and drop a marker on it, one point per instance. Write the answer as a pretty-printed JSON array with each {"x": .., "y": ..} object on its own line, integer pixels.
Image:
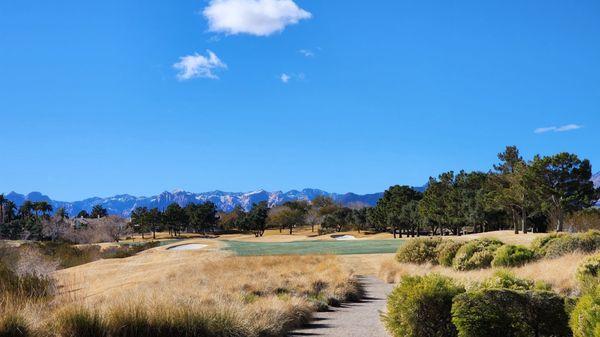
[
  {"x": 14, "y": 325},
  {"x": 418, "y": 251},
  {"x": 79, "y": 321},
  {"x": 134, "y": 321},
  {"x": 420, "y": 306},
  {"x": 476, "y": 254},
  {"x": 505, "y": 312},
  {"x": 512, "y": 256},
  {"x": 25, "y": 286}
]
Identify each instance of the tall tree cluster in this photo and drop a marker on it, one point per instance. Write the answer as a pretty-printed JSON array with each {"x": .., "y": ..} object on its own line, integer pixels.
[
  {"x": 515, "y": 194},
  {"x": 198, "y": 218}
]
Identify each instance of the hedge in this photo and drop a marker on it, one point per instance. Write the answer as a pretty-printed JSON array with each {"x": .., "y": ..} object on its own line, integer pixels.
[{"x": 556, "y": 245}]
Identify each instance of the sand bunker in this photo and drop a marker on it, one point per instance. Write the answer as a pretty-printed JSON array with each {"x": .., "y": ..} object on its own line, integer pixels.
[
  {"x": 344, "y": 237},
  {"x": 191, "y": 246}
]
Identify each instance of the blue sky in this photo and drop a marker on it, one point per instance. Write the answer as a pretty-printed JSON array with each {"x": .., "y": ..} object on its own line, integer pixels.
[{"x": 93, "y": 103}]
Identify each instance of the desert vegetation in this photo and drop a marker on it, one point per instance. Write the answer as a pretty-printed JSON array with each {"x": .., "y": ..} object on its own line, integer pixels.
[
  {"x": 549, "y": 288},
  {"x": 215, "y": 295}
]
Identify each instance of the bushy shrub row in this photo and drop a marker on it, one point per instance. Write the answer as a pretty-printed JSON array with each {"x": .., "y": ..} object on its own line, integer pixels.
[
  {"x": 434, "y": 305},
  {"x": 555, "y": 245},
  {"x": 475, "y": 254},
  {"x": 428, "y": 250}
]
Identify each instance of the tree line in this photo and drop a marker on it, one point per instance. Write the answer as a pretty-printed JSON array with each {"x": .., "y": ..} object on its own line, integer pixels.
[
  {"x": 545, "y": 192},
  {"x": 538, "y": 194}
]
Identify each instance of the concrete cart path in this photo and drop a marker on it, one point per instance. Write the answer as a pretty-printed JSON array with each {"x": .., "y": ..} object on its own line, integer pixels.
[{"x": 360, "y": 319}]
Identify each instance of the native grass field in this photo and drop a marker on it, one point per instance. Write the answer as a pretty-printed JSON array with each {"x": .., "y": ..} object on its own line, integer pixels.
[{"x": 233, "y": 285}]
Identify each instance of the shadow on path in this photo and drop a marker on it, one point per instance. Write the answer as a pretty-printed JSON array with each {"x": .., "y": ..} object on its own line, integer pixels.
[{"x": 353, "y": 319}]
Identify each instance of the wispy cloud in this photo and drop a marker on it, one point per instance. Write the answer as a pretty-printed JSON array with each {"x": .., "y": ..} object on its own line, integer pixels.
[
  {"x": 563, "y": 128},
  {"x": 285, "y": 78},
  {"x": 198, "y": 66},
  {"x": 307, "y": 52},
  {"x": 254, "y": 17}
]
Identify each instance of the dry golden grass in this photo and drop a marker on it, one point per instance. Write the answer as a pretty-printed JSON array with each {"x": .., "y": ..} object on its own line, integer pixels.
[
  {"x": 264, "y": 295},
  {"x": 506, "y": 236},
  {"x": 558, "y": 273}
]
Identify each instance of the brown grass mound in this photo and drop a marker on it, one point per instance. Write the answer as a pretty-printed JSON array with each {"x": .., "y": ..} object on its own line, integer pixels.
[{"x": 192, "y": 294}]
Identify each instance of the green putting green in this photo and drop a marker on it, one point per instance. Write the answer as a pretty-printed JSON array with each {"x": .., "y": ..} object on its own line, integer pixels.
[{"x": 314, "y": 247}]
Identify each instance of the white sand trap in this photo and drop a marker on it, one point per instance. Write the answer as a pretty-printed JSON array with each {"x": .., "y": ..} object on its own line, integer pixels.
[
  {"x": 344, "y": 237},
  {"x": 190, "y": 246}
]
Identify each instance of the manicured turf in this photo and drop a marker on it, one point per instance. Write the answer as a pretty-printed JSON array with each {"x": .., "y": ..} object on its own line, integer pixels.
[{"x": 314, "y": 247}]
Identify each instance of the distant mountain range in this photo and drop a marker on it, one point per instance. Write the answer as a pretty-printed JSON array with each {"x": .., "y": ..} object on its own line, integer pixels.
[
  {"x": 596, "y": 179},
  {"x": 226, "y": 201}
]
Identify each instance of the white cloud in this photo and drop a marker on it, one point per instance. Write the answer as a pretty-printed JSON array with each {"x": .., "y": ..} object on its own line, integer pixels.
[
  {"x": 563, "y": 128},
  {"x": 545, "y": 129},
  {"x": 568, "y": 127},
  {"x": 193, "y": 66},
  {"x": 307, "y": 52},
  {"x": 285, "y": 78},
  {"x": 255, "y": 17}
]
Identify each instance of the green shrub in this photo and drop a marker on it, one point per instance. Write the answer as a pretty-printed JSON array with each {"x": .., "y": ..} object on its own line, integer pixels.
[
  {"x": 504, "y": 312},
  {"x": 418, "y": 251},
  {"x": 559, "y": 245},
  {"x": 420, "y": 307},
  {"x": 13, "y": 325},
  {"x": 476, "y": 254},
  {"x": 503, "y": 279},
  {"x": 588, "y": 273},
  {"x": 585, "y": 318},
  {"x": 446, "y": 251},
  {"x": 512, "y": 256},
  {"x": 539, "y": 244}
]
